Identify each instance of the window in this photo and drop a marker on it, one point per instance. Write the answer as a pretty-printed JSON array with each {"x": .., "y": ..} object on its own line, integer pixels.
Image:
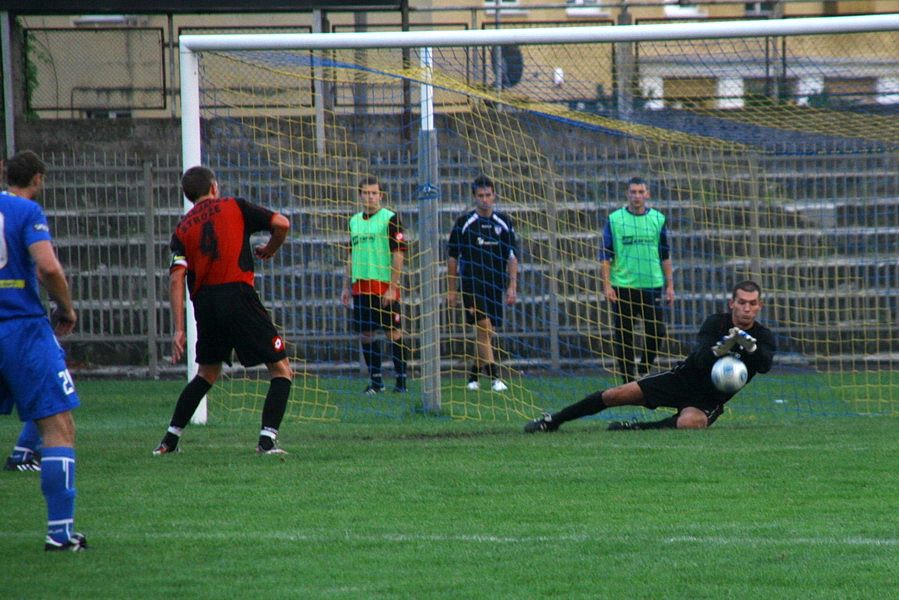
[
  {"x": 759, "y": 9},
  {"x": 584, "y": 8},
  {"x": 510, "y": 7},
  {"x": 682, "y": 8}
]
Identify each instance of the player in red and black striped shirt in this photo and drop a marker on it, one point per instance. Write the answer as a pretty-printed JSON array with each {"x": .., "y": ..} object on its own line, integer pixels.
[{"x": 211, "y": 251}]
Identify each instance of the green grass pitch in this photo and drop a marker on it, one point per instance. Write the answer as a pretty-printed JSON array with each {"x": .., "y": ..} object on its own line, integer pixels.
[{"x": 752, "y": 508}]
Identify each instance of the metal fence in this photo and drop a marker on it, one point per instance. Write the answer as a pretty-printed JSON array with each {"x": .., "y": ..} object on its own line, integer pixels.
[{"x": 112, "y": 216}]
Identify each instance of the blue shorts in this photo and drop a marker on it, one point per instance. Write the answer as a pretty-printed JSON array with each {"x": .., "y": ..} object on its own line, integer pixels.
[{"x": 33, "y": 373}]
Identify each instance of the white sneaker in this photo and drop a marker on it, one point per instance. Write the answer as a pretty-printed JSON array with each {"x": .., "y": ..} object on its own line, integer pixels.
[
  {"x": 499, "y": 386},
  {"x": 473, "y": 386}
]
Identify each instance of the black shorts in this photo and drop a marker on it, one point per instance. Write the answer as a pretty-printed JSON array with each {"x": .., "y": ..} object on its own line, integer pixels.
[
  {"x": 483, "y": 301},
  {"x": 230, "y": 317},
  {"x": 370, "y": 313},
  {"x": 674, "y": 391}
]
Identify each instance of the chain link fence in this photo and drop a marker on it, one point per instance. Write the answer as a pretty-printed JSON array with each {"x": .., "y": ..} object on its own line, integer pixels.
[{"x": 112, "y": 215}]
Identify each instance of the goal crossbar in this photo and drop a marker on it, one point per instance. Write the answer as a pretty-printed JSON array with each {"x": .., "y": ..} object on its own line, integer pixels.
[{"x": 540, "y": 35}]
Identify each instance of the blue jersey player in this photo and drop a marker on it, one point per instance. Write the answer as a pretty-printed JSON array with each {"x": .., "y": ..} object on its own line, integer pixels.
[{"x": 33, "y": 373}]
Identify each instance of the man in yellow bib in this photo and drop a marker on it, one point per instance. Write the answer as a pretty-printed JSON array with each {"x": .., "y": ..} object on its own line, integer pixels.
[
  {"x": 637, "y": 277},
  {"x": 373, "y": 271}
]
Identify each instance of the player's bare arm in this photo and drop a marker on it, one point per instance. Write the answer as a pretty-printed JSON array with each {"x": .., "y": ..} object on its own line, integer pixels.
[
  {"x": 452, "y": 278},
  {"x": 176, "y": 300},
  {"x": 605, "y": 268},
  {"x": 392, "y": 293},
  {"x": 53, "y": 277},
  {"x": 668, "y": 270},
  {"x": 512, "y": 289},
  {"x": 347, "y": 292},
  {"x": 280, "y": 225}
]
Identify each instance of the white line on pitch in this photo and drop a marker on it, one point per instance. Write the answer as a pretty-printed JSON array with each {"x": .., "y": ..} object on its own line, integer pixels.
[
  {"x": 499, "y": 539},
  {"x": 850, "y": 541}
]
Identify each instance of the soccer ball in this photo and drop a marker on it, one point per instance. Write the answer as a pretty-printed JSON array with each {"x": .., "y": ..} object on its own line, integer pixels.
[{"x": 729, "y": 374}]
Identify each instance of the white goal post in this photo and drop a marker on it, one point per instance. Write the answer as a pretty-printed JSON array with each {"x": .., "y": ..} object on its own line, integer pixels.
[{"x": 191, "y": 45}]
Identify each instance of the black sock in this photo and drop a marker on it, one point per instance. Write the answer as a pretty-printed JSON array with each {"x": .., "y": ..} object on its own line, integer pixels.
[
  {"x": 371, "y": 352},
  {"x": 666, "y": 423},
  {"x": 188, "y": 401},
  {"x": 267, "y": 438},
  {"x": 473, "y": 372},
  {"x": 398, "y": 349},
  {"x": 275, "y": 403},
  {"x": 590, "y": 405},
  {"x": 490, "y": 370}
]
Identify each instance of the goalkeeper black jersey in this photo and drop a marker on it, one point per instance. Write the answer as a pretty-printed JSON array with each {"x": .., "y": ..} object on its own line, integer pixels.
[{"x": 696, "y": 369}]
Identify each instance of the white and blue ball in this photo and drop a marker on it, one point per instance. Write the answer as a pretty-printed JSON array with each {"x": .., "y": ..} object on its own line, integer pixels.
[{"x": 729, "y": 374}]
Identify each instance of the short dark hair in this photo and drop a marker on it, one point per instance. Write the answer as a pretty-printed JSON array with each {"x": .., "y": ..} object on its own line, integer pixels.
[
  {"x": 370, "y": 180},
  {"x": 636, "y": 181},
  {"x": 21, "y": 168},
  {"x": 746, "y": 286},
  {"x": 197, "y": 182},
  {"x": 481, "y": 181}
]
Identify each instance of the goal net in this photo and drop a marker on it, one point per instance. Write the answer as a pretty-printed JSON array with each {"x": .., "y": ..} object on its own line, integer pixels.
[{"x": 772, "y": 149}]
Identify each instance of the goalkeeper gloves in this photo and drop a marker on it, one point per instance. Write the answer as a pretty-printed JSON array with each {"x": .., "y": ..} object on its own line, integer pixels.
[
  {"x": 725, "y": 344},
  {"x": 746, "y": 341}
]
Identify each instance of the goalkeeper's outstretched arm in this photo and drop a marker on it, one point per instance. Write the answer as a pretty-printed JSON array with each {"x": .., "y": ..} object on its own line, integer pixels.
[{"x": 762, "y": 359}]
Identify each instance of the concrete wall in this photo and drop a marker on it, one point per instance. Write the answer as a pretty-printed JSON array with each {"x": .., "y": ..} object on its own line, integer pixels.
[{"x": 139, "y": 136}]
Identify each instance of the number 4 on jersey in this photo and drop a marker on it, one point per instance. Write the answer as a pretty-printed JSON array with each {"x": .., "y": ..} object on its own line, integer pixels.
[{"x": 209, "y": 242}]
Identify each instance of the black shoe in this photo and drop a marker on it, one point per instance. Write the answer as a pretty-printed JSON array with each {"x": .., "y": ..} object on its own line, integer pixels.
[
  {"x": 164, "y": 448},
  {"x": 374, "y": 388},
  {"x": 275, "y": 449},
  {"x": 76, "y": 543},
  {"x": 400, "y": 388},
  {"x": 543, "y": 423},
  {"x": 32, "y": 464},
  {"x": 624, "y": 426}
]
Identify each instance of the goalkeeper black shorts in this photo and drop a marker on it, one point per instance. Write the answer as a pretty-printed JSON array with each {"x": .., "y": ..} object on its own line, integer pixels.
[{"x": 672, "y": 390}]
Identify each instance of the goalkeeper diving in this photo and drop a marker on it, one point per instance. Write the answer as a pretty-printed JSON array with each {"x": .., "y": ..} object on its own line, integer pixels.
[{"x": 687, "y": 387}]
